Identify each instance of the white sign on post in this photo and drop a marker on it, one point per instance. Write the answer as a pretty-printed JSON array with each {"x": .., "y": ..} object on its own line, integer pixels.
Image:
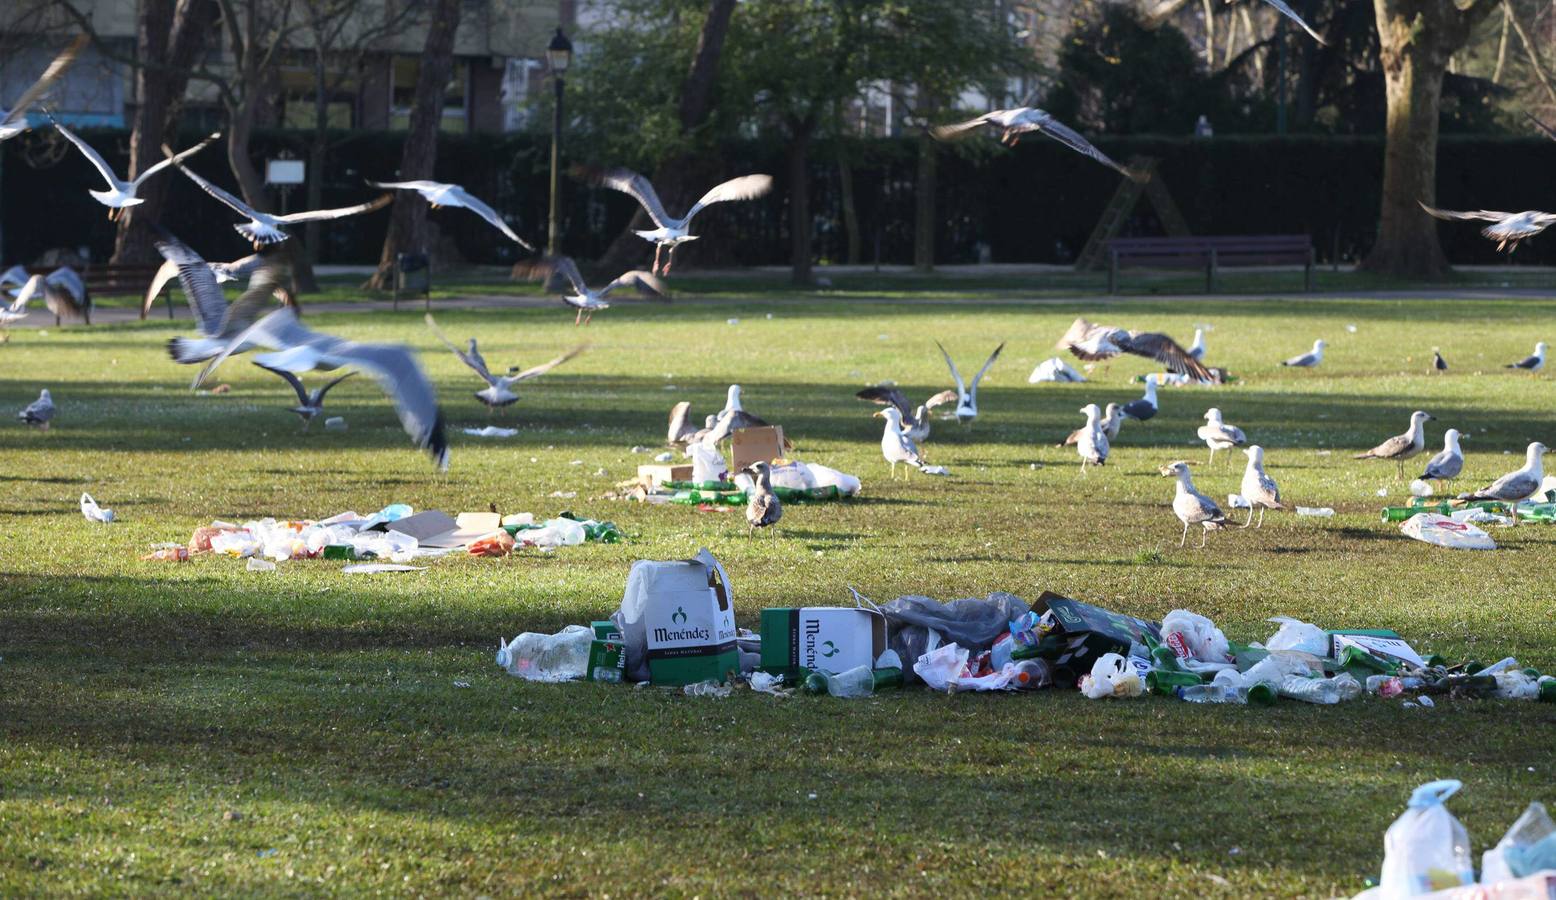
[{"x": 285, "y": 171}]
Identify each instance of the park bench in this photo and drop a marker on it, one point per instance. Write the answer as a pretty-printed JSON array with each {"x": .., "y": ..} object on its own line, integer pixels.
[{"x": 1210, "y": 253}]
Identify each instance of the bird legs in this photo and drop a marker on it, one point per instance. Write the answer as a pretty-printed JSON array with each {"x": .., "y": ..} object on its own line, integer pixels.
[
  {"x": 669, "y": 260},
  {"x": 1204, "y": 535},
  {"x": 582, "y": 319},
  {"x": 1185, "y": 537},
  {"x": 1250, "y": 518}
]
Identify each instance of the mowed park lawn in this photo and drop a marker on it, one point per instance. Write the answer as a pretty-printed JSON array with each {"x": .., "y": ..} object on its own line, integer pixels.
[{"x": 196, "y": 728}]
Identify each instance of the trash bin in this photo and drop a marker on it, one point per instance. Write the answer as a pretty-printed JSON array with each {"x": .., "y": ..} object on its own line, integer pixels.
[{"x": 412, "y": 275}]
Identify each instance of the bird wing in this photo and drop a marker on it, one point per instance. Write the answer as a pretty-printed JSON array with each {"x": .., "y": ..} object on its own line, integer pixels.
[
  {"x": 165, "y": 273},
  {"x": 238, "y": 206},
  {"x": 644, "y": 283},
  {"x": 326, "y": 389},
  {"x": 543, "y": 368},
  {"x": 1306, "y": 359},
  {"x": 1291, "y": 14},
  {"x": 746, "y": 187},
  {"x": 1090, "y": 342},
  {"x": 1480, "y": 215},
  {"x": 247, "y": 266},
  {"x": 320, "y": 215},
  {"x": 91, "y": 156},
  {"x": 475, "y": 362},
  {"x": 480, "y": 208},
  {"x": 14, "y": 275},
  {"x": 1166, "y": 351},
  {"x": 564, "y": 267},
  {"x": 395, "y": 369},
  {"x": 973, "y": 392},
  {"x": 289, "y": 378},
  {"x": 30, "y": 289},
  {"x": 66, "y": 277},
  {"x": 760, "y": 506},
  {"x": 641, "y": 190},
  {"x": 201, "y": 289},
  {"x": 1211, "y": 431},
  {"x": 680, "y": 427},
  {"x": 1064, "y": 134},
  {"x": 419, "y": 186},
  {"x": 1441, "y": 463},
  {"x": 1513, "y": 484},
  {"x": 174, "y": 159},
  {"x": 243, "y": 311},
  {"x": 889, "y": 396},
  {"x": 957, "y": 129},
  {"x": 50, "y": 75},
  {"x": 1390, "y": 448},
  {"x": 956, "y": 376}
]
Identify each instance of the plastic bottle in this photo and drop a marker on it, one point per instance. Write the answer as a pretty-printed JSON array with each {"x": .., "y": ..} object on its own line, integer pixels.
[
  {"x": 1327, "y": 691},
  {"x": 548, "y": 657},
  {"x": 1226, "y": 688},
  {"x": 860, "y": 681},
  {"x": 1032, "y": 674}
]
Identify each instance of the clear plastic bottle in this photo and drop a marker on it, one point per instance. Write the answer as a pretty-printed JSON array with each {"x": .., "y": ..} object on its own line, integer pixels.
[
  {"x": 1226, "y": 688},
  {"x": 1032, "y": 674},
  {"x": 548, "y": 657},
  {"x": 1311, "y": 690}
]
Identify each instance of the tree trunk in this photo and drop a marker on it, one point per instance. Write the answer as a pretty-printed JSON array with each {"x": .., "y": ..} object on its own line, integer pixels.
[
  {"x": 408, "y": 218},
  {"x": 173, "y": 31},
  {"x": 1416, "y": 39},
  {"x": 924, "y": 204},
  {"x": 845, "y": 181},
  {"x": 799, "y": 203}
]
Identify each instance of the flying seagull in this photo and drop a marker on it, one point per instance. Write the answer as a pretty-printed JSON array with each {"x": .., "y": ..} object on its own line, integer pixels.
[
  {"x": 896, "y": 446},
  {"x": 217, "y": 320},
  {"x": 1103, "y": 342},
  {"x": 224, "y": 272},
  {"x": 300, "y": 349},
  {"x": 309, "y": 403},
  {"x": 1291, "y": 14},
  {"x": 498, "y": 391},
  {"x": 1447, "y": 464},
  {"x": 1309, "y": 359},
  {"x": 967, "y": 395},
  {"x": 1012, "y": 123},
  {"x": 121, "y": 193},
  {"x": 1532, "y": 363},
  {"x": 438, "y": 194},
  {"x": 1190, "y": 506},
  {"x": 1112, "y": 422},
  {"x": 1218, "y": 435},
  {"x": 1439, "y": 365},
  {"x": 63, "y": 292},
  {"x": 1145, "y": 407},
  {"x": 39, "y": 412},
  {"x": 1092, "y": 445},
  {"x": 1258, "y": 488},
  {"x": 564, "y": 273},
  {"x": 914, "y": 421},
  {"x": 670, "y": 231},
  {"x": 13, "y": 121},
  {"x": 1401, "y": 447},
  {"x": 1506, "y": 228},
  {"x": 263, "y": 228},
  {"x": 1518, "y": 485},
  {"x": 762, "y": 507}
]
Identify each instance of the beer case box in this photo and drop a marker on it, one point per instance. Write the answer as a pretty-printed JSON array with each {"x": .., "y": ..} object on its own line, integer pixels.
[
  {"x": 607, "y": 661},
  {"x": 749, "y": 445},
  {"x": 689, "y": 620},
  {"x": 820, "y": 638},
  {"x": 605, "y": 630},
  {"x": 1380, "y": 642},
  {"x": 1086, "y": 632},
  {"x": 657, "y": 474}
]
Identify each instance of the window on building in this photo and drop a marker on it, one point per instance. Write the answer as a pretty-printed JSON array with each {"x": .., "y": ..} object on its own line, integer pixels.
[
  {"x": 456, "y": 94},
  {"x": 298, "y": 89}
]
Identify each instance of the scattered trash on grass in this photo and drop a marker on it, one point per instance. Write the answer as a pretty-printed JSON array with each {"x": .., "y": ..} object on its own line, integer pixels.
[
  {"x": 379, "y": 568},
  {"x": 492, "y": 431},
  {"x": 1443, "y": 531}
]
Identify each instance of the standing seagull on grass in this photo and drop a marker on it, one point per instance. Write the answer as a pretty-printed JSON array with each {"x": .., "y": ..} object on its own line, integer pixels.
[
  {"x": 1309, "y": 359},
  {"x": 1012, "y": 123},
  {"x": 1258, "y": 488},
  {"x": 762, "y": 509},
  {"x": 896, "y": 446},
  {"x": 1145, "y": 407},
  {"x": 309, "y": 403},
  {"x": 121, "y": 193},
  {"x": 498, "y": 391},
  {"x": 1532, "y": 363},
  {"x": 1401, "y": 447},
  {"x": 437, "y": 194},
  {"x": 39, "y": 412},
  {"x": 1447, "y": 464},
  {"x": 915, "y": 422},
  {"x": 1197, "y": 348},
  {"x": 670, "y": 232},
  {"x": 1506, "y": 228},
  {"x": 1103, "y": 342},
  {"x": 587, "y": 301},
  {"x": 967, "y": 395},
  {"x": 1092, "y": 445},
  {"x": 63, "y": 292},
  {"x": 13, "y": 121},
  {"x": 263, "y": 228},
  {"x": 1516, "y": 486},
  {"x": 1190, "y": 506},
  {"x": 1218, "y": 435},
  {"x": 1112, "y": 422},
  {"x": 1439, "y": 365}
]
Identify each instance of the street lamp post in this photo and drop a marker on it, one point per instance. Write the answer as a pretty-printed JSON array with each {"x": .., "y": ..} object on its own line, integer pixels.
[{"x": 558, "y": 54}]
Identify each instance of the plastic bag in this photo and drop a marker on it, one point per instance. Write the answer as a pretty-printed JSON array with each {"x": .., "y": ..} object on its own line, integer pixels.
[
  {"x": 1192, "y": 636},
  {"x": 1298, "y": 635},
  {"x": 707, "y": 463},
  {"x": 973, "y": 623},
  {"x": 554, "y": 533},
  {"x": 1112, "y": 676},
  {"x": 1426, "y": 849},
  {"x": 1528, "y": 847},
  {"x": 93, "y": 512},
  {"x": 1053, "y": 369},
  {"x": 548, "y": 657},
  {"x": 945, "y": 669},
  {"x": 1443, "y": 531}
]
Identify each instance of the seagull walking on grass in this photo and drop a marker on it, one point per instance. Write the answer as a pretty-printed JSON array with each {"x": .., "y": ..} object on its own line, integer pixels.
[
  {"x": 1145, "y": 407},
  {"x": 915, "y": 421},
  {"x": 967, "y": 395},
  {"x": 39, "y": 412},
  {"x": 1448, "y": 463},
  {"x": 1103, "y": 342},
  {"x": 1013, "y": 123},
  {"x": 310, "y": 404},
  {"x": 1401, "y": 447},
  {"x": 1309, "y": 359},
  {"x": 762, "y": 507},
  {"x": 13, "y": 121},
  {"x": 1258, "y": 488},
  {"x": 896, "y": 446},
  {"x": 1506, "y": 228},
  {"x": 121, "y": 194},
  {"x": 1518, "y": 485},
  {"x": 1218, "y": 435},
  {"x": 670, "y": 232},
  {"x": 1532, "y": 363},
  {"x": 264, "y": 228},
  {"x": 1092, "y": 445},
  {"x": 1190, "y": 506},
  {"x": 1112, "y": 422},
  {"x": 588, "y": 301},
  {"x": 499, "y": 388},
  {"x": 438, "y": 195}
]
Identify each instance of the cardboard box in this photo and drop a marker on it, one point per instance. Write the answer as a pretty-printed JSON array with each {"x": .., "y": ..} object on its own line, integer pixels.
[
  {"x": 605, "y": 630},
  {"x": 1384, "y": 644},
  {"x": 657, "y": 474},
  {"x": 749, "y": 445},
  {"x": 435, "y": 528},
  {"x": 1083, "y": 632},
  {"x": 688, "y": 617},
  {"x": 607, "y": 661},
  {"x": 820, "y": 638}
]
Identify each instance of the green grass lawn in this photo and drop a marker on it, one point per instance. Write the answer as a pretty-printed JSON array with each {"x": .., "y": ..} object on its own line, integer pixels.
[{"x": 196, "y": 728}]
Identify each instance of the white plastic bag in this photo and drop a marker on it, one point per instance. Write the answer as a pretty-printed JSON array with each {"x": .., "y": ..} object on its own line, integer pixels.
[
  {"x": 1426, "y": 849},
  {"x": 1445, "y": 532},
  {"x": 707, "y": 463},
  {"x": 945, "y": 669},
  {"x": 1194, "y": 637},
  {"x": 93, "y": 512},
  {"x": 1526, "y": 848},
  {"x": 1295, "y": 634},
  {"x": 1053, "y": 369},
  {"x": 1112, "y": 676}
]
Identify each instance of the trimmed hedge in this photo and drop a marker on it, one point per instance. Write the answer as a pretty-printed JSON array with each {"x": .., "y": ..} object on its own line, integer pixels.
[{"x": 1035, "y": 203}]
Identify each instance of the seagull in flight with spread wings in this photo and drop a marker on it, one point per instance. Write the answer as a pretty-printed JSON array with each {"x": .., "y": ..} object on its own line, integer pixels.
[
  {"x": 438, "y": 194},
  {"x": 1012, "y": 123},
  {"x": 498, "y": 391},
  {"x": 1103, "y": 342},
  {"x": 121, "y": 194},
  {"x": 1506, "y": 228},
  {"x": 669, "y": 231},
  {"x": 564, "y": 273},
  {"x": 264, "y": 228}
]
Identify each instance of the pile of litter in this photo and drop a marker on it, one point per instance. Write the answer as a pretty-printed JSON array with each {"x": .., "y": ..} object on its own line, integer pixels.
[
  {"x": 676, "y": 627},
  {"x": 707, "y": 481},
  {"x": 1455, "y": 523},
  {"x": 396, "y": 533}
]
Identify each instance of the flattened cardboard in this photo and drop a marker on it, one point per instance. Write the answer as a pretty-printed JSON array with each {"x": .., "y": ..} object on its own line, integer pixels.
[
  {"x": 436, "y": 529},
  {"x": 749, "y": 445}
]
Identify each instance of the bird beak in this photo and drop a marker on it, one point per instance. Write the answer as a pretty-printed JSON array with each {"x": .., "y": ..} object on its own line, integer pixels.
[{"x": 878, "y": 414}]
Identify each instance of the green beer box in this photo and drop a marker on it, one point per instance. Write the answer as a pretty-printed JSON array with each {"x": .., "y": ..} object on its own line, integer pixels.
[
  {"x": 689, "y": 619},
  {"x": 1083, "y": 632},
  {"x": 605, "y": 630},
  {"x": 607, "y": 661},
  {"x": 820, "y": 638},
  {"x": 1380, "y": 642}
]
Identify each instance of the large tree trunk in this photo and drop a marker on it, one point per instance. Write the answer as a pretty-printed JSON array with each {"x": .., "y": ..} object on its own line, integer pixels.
[
  {"x": 924, "y": 204},
  {"x": 1417, "y": 38},
  {"x": 799, "y": 202},
  {"x": 171, "y": 32},
  {"x": 408, "y": 219},
  {"x": 682, "y": 177},
  {"x": 845, "y": 186}
]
